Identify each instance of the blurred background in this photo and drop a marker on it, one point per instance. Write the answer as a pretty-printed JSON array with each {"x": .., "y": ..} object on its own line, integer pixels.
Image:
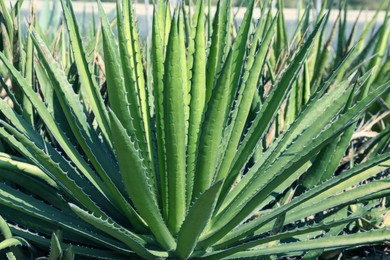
[
  {"x": 352, "y": 4},
  {"x": 86, "y": 9}
]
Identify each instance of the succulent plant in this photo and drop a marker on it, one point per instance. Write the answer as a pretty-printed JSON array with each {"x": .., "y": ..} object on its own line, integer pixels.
[{"x": 209, "y": 141}]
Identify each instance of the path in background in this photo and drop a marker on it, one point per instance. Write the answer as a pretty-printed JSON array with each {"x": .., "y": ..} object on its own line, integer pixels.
[{"x": 144, "y": 13}]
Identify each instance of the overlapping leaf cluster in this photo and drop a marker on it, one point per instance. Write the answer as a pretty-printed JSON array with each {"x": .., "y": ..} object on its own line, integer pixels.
[{"x": 210, "y": 140}]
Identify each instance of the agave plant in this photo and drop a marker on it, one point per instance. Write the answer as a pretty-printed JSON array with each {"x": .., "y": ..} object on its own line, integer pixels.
[{"x": 190, "y": 155}]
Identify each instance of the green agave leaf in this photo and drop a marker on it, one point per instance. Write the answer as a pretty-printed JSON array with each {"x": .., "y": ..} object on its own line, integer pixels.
[
  {"x": 53, "y": 169},
  {"x": 118, "y": 99},
  {"x": 84, "y": 70},
  {"x": 58, "y": 158},
  {"x": 187, "y": 17},
  {"x": 67, "y": 178},
  {"x": 281, "y": 40},
  {"x": 368, "y": 27},
  {"x": 220, "y": 44},
  {"x": 306, "y": 89},
  {"x": 361, "y": 59},
  {"x": 195, "y": 28},
  {"x": 4, "y": 228},
  {"x": 53, "y": 127},
  {"x": 13, "y": 241},
  {"x": 334, "y": 231},
  {"x": 329, "y": 243},
  {"x": 37, "y": 188},
  {"x": 360, "y": 175},
  {"x": 174, "y": 127},
  {"x": 7, "y": 234},
  {"x": 318, "y": 45},
  {"x": 133, "y": 45},
  {"x": 131, "y": 86},
  {"x": 326, "y": 162},
  {"x": 353, "y": 33},
  {"x": 197, "y": 80},
  {"x": 328, "y": 159},
  {"x": 135, "y": 179},
  {"x": 183, "y": 65},
  {"x": 7, "y": 33},
  {"x": 69, "y": 253},
  {"x": 253, "y": 68},
  {"x": 284, "y": 235},
  {"x": 209, "y": 20},
  {"x": 264, "y": 20},
  {"x": 55, "y": 248},
  {"x": 7, "y": 18},
  {"x": 323, "y": 55},
  {"x": 291, "y": 107},
  {"x": 138, "y": 133},
  {"x": 196, "y": 220},
  {"x": 78, "y": 249},
  {"x": 269, "y": 110},
  {"x": 341, "y": 39},
  {"x": 240, "y": 48},
  {"x": 361, "y": 46},
  {"x": 45, "y": 228},
  {"x": 19, "y": 54},
  {"x": 108, "y": 226},
  {"x": 114, "y": 76},
  {"x": 158, "y": 90},
  {"x": 28, "y": 112},
  {"x": 282, "y": 170},
  {"x": 22, "y": 126},
  {"x": 166, "y": 27},
  {"x": 212, "y": 131},
  {"x": 303, "y": 21},
  {"x": 8, "y": 163},
  {"x": 256, "y": 177},
  {"x": 332, "y": 103},
  {"x": 240, "y": 70},
  {"x": 379, "y": 51},
  {"x": 336, "y": 220},
  {"x": 160, "y": 11},
  {"x": 37, "y": 209},
  {"x": 312, "y": 201}
]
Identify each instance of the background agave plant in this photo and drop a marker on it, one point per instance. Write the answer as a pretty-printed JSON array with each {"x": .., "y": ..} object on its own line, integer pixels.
[{"x": 229, "y": 145}]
